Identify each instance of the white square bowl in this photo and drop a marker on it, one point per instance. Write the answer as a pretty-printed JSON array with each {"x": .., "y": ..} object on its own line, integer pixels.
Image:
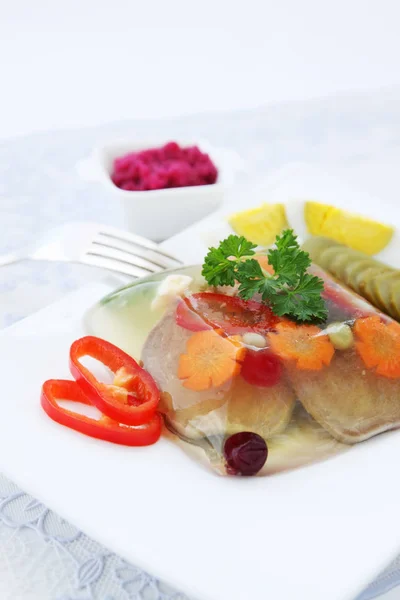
[{"x": 160, "y": 214}]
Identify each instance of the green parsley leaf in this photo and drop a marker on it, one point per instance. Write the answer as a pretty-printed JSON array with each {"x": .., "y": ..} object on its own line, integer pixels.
[
  {"x": 287, "y": 259},
  {"x": 237, "y": 246},
  {"x": 253, "y": 280},
  {"x": 289, "y": 291},
  {"x": 220, "y": 265},
  {"x": 302, "y": 302},
  {"x": 250, "y": 269}
]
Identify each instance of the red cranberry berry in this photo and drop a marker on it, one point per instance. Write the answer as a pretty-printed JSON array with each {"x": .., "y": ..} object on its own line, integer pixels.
[
  {"x": 245, "y": 453},
  {"x": 261, "y": 368}
]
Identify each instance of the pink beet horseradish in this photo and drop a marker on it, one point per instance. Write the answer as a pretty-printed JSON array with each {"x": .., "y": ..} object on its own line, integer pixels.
[{"x": 170, "y": 166}]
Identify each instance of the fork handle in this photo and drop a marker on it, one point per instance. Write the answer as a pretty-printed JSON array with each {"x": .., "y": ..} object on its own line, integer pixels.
[{"x": 8, "y": 259}]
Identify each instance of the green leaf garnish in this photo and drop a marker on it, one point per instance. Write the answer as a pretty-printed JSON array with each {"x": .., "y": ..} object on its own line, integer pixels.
[
  {"x": 290, "y": 291},
  {"x": 287, "y": 259},
  {"x": 220, "y": 264}
]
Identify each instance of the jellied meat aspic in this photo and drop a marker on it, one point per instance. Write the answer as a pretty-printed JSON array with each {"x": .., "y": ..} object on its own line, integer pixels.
[{"x": 333, "y": 383}]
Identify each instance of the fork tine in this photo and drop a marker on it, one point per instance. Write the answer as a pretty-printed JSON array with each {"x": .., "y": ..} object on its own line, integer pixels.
[
  {"x": 154, "y": 257},
  {"x": 126, "y": 257},
  {"x": 120, "y": 234},
  {"x": 110, "y": 264}
]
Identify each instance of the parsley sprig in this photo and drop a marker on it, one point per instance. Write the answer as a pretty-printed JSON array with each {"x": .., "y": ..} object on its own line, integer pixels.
[{"x": 290, "y": 291}]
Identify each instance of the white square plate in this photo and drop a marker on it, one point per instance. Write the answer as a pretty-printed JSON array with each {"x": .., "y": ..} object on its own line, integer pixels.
[{"x": 323, "y": 531}]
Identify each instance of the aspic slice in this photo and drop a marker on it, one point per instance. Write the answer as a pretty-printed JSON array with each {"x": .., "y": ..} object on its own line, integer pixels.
[
  {"x": 222, "y": 411},
  {"x": 348, "y": 400}
]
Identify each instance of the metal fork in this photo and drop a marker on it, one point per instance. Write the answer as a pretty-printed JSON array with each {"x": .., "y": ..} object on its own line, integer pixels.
[{"x": 100, "y": 246}]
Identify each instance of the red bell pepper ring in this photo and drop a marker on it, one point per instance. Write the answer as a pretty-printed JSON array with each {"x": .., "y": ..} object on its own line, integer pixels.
[
  {"x": 103, "y": 429},
  {"x": 134, "y": 400}
]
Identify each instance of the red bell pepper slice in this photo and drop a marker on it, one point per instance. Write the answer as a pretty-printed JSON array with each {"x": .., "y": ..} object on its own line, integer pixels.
[
  {"x": 103, "y": 429},
  {"x": 134, "y": 400},
  {"x": 229, "y": 313}
]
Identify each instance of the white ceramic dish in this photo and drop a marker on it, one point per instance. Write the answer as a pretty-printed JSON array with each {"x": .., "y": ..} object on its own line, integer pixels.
[
  {"x": 159, "y": 214},
  {"x": 322, "y": 531}
]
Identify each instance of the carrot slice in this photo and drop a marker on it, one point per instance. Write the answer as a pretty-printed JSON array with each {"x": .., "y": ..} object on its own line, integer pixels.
[
  {"x": 210, "y": 360},
  {"x": 378, "y": 345},
  {"x": 262, "y": 259},
  {"x": 304, "y": 344}
]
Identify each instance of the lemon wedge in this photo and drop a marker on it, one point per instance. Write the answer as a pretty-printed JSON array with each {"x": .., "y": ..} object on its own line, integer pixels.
[
  {"x": 260, "y": 225},
  {"x": 347, "y": 228}
]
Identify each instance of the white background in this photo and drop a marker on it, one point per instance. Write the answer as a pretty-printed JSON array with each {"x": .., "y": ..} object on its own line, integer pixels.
[{"x": 80, "y": 62}]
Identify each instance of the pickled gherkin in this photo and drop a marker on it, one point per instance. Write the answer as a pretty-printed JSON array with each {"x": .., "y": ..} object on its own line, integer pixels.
[
  {"x": 394, "y": 303},
  {"x": 353, "y": 269},
  {"x": 328, "y": 254},
  {"x": 377, "y": 282},
  {"x": 335, "y": 260},
  {"x": 381, "y": 289}
]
